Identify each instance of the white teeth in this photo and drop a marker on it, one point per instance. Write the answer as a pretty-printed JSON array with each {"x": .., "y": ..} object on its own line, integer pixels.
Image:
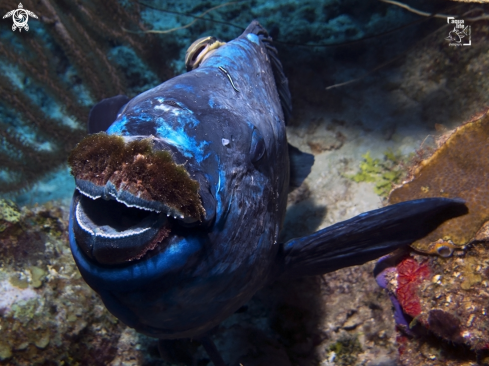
[
  {"x": 88, "y": 195},
  {"x": 104, "y": 231}
]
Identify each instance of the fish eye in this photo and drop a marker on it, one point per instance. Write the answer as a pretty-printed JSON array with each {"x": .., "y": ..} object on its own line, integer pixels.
[
  {"x": 200, "y": 50},
  {"x": 257, "y": 149}
]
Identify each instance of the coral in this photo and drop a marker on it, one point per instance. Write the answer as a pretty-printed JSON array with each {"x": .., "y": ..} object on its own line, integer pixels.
[
  {"x": 458, "y": 169},
  {"x": 346, "y": 351},
  {"x": 152, "y": 175},
  {"x": 53, "y": 317},
  {"x": 447, "y": 293},
  {"x": 447, "y": 310},
  {"x": 410, "y": 274},
  {"x": 52, "y": 74}
]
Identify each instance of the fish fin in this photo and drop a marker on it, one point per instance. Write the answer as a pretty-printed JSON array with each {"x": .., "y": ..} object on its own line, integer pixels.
[
  {"x": 278, "y": 72},
  {"x": 104, "y": 113},
  {"x": 300, "y": 165},
  {"x": 364, "y": 237}
]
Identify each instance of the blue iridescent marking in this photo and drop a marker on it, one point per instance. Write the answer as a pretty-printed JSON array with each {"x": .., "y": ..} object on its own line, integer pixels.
[
  {"x": 253, "y": 38},
  {"x": 187, "y": 88},
  {"x": 118, "y": 127},
  {"x": 176, "y": 136}
]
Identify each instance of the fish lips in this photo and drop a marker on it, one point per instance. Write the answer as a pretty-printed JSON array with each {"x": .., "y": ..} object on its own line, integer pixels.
[
  {"x": 114, "y": 226},
  {"x": 111, "y": 233}
]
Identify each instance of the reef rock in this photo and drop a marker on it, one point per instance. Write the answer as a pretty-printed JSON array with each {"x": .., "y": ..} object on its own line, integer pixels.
[{"x": 441, "y": 300}]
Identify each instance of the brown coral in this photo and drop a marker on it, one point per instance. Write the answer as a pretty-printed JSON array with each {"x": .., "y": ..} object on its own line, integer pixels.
[{"x": 458, "y": 169}]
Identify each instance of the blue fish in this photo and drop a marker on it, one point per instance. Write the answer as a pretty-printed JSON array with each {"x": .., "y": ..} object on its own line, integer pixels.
[{"x": 181, "y": 193}]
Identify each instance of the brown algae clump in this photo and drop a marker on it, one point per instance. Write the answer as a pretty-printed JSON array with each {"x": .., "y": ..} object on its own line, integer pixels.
[
  {"x": 458, "y": 169},
  {"x": 135, "y": 167}
]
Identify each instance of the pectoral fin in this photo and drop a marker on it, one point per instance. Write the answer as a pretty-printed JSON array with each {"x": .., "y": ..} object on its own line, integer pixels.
[
  {"x": 300, "y": 166},
  {"x": 365, "y": 237},
  {"x": 104, "y": 113}
]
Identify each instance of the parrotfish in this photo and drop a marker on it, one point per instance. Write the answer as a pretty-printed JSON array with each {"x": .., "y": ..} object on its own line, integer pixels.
[{"x": 181, "y": 193}]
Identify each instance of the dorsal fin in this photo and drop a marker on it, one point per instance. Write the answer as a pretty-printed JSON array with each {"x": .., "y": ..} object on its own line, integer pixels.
[
  {"x": 104, "y": 113},
  {"x": 300, "y": 165},
  {"x": 280, "y": 79}
]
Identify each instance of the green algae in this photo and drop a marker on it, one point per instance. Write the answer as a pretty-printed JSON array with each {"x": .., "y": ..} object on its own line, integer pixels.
[
  {"x": 5, "y": 351},
  {"x": 18, "y": 280},
  {"x": 385, "y": 173},
  {"x": 37, "y": 276},
  {"x": 346, "y": 351},
  {"x": 471, "y": 274},
  {"x": 26, "y": 310},
  {"x": 9, "y": 214},
  {"x": 9, "y": 211}
]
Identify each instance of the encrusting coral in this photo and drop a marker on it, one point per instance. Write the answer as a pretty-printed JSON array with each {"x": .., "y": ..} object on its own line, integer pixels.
[{"x": 458, "y": 169}]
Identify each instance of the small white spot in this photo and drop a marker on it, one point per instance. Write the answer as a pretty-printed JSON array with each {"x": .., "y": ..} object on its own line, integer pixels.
[
  {"x": 225, "y": 142},
  {"x": 253, "y": 38}
]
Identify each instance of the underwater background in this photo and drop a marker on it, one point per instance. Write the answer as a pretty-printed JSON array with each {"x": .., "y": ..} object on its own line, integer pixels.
[{"x": 408, "y": 86}]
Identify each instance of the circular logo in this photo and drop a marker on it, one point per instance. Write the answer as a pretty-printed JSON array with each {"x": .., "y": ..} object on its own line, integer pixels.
[{"x": 20, "y": 18}]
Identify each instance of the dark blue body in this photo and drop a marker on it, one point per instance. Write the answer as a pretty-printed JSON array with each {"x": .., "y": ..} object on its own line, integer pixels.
[
  {"x": 231, "y": 139},
  {"x": 206, "y": 274}
]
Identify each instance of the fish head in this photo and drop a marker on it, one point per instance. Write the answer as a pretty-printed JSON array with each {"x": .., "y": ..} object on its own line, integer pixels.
[{"x": 162, "y": 169}]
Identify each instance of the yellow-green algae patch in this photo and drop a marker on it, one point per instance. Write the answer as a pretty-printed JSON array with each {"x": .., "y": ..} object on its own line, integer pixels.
[
  {"x": 458, "y": 169},
  {"x": 9, "y": 211},
  {"x": 138, "y": 169},
  {"x": 384, "y": 173},
  {"x": 37, "y": 276},
  {"x": 9, "y": 214}
]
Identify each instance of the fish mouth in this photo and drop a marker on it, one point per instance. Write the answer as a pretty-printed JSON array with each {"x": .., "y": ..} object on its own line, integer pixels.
[
  {"x": 129, "y": 197},
  {"x": 110, "y": 232}
]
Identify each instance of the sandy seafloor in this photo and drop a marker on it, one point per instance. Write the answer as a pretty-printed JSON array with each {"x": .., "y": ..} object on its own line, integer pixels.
[{"x": 313, "y": 321}]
